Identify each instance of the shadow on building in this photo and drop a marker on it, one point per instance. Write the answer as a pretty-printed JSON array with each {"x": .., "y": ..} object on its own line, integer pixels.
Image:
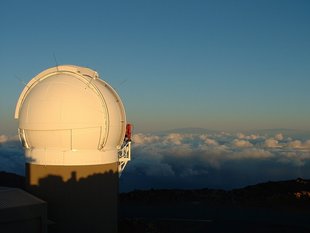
[{"x": 81, "y": 202}]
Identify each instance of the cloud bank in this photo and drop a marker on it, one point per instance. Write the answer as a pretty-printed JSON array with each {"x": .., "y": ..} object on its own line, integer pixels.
[
  {"x": 218, "y": 160},
  {"x": 11, "y": 155}
]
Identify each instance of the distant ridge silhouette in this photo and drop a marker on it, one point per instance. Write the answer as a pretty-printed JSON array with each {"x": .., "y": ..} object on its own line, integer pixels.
[
  {"x": 8, "y": 179},
  {"x": 273, "y": 194},
  {"x": 299, "y": 133}
]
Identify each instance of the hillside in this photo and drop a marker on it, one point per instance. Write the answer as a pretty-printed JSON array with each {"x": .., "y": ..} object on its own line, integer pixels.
[
  {"x": 291, "y": 194},
  {"x": 277, "y": 206}
]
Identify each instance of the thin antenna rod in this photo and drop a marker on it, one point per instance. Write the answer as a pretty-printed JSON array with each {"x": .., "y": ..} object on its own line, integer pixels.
[
  {"x": 21, "y": 81},
  {"x": 121, "y": 83},
  {"x": 55, "y": 61}
]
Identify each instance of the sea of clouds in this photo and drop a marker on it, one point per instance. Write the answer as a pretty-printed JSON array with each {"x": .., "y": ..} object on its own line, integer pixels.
[
  {"x": 11, "y": 155},
  {"x": 215, "y": 160},
  {"x": 198, "y": 160}
]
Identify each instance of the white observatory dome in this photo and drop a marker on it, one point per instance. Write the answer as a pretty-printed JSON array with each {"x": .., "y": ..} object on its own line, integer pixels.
[{"x": 69, "y": 116}]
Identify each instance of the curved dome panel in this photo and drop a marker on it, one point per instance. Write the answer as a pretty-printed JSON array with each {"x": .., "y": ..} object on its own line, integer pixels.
[{"x": 67, "y": 115}]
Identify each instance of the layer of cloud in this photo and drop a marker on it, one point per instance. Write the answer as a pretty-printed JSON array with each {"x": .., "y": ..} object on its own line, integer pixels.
[
  {"x": 11, "y": 155},
  {"x": 246, "y": 157},
  {"x": 221, "y": 147},
  {"x": 3, "y": 138}
]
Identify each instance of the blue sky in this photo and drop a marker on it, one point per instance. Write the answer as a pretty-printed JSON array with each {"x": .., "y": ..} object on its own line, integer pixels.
[{"x": 228, "y": 65}]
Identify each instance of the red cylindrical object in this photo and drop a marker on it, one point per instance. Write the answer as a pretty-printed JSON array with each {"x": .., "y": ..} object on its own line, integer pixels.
[{"x": 128, "y": 132}]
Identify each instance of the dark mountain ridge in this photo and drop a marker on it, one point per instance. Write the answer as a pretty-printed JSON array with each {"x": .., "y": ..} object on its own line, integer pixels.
[
  {"x": 295, "y": 133},
  {"x": 292, "y": 194},
  {"x": 8, "y": 179},
  {"x": 271, "y": 207}
]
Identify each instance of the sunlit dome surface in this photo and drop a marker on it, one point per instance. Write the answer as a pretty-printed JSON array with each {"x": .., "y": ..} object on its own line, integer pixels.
[{"x": 68, "y": 115}]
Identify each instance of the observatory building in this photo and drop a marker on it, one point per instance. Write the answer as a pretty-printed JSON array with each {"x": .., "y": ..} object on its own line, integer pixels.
[{"x": 72, "y": 125}]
